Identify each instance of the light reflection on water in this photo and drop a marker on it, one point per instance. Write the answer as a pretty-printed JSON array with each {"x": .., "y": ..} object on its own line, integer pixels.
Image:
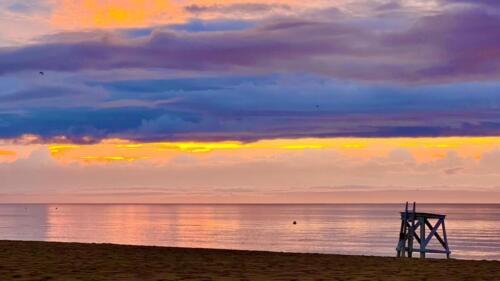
[{"x": 473, "y": 230}]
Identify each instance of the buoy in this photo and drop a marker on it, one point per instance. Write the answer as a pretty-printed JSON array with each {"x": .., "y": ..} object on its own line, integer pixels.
[{"x": 294, "y": 222}]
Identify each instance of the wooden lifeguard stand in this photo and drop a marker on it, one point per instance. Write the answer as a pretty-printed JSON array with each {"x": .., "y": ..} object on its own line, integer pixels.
[{"x": 413, "y": 223}]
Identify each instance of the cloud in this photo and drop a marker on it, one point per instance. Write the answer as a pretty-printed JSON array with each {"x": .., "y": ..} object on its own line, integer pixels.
[
  {"x": 291, "y": 176},
  {"x": 244, "y": 108},
  {"x": 236, "y": 8},
  {"x": 40, "y": 93},
  {"x": 468, "y": 44},
  {"x": 477, "y": 3},
  {"x": 212, "y": 26},
  {"x": 318, "y": 74},
  {"x": 453, "y": 171},
  {"x": 29, "y": 8},
  {"x": 340, "y": 49}
]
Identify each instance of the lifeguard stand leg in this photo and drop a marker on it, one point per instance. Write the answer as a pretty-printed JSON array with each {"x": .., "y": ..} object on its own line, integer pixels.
[
  {"x": 445, "y": 238},
  {"x": 422, "y": 237}
]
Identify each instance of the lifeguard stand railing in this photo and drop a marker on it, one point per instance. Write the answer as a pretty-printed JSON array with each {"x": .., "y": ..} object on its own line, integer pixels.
[{"x": 414, "y": 226}]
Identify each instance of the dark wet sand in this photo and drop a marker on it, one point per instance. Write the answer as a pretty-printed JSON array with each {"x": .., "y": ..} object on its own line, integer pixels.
[{"x": 71, "y": 261}]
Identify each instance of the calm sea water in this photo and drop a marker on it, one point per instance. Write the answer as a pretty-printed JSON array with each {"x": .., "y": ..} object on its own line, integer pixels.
[{"x": 473, "y": 230}]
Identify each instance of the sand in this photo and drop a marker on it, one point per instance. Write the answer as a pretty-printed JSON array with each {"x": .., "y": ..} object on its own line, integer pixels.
[{"x": 72, "y": 261}]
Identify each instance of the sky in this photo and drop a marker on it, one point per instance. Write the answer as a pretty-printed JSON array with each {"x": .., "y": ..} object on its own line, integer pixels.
[{"x": 249, "y": 101}]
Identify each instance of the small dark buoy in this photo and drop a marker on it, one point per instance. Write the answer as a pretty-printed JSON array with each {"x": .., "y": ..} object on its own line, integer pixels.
[
  {"x": 42, "y": 73},
  {"x": 294, "y": 222}
]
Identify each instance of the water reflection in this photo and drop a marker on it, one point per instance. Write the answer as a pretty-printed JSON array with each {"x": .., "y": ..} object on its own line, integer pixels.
[
  {"x": 348, "y": 229},
  {"x": 23, "y": 222}
]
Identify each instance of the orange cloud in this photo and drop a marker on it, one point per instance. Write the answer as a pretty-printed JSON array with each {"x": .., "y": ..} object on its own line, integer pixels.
[
  {"x": 421, "y": 149},
  {"x": 116, "y": 150},
  {"x": 95, "y": 14},
  {"x": 90, "y": 14},
  {"x": 7, "y": 153},
  {"x": 11, "y": 152}
]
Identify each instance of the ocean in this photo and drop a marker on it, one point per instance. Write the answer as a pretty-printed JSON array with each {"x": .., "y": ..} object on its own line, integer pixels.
[{"x": 354, "y": 229}]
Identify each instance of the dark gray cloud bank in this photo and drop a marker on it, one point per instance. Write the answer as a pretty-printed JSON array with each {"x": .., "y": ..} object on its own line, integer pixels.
[{"x": 289, "y": 77}]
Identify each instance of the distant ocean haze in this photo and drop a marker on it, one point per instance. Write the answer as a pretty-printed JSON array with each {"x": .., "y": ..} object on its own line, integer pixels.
[{"x": 358, "y": 229}]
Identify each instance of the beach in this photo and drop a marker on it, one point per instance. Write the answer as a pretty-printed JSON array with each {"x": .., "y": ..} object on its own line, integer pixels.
[{"x": 76, "y": 261}]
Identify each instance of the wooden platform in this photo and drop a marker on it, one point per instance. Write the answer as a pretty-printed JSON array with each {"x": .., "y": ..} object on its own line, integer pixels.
[
  {"x": 413, "y": 227},
  {"x": 422, "y": 215}
]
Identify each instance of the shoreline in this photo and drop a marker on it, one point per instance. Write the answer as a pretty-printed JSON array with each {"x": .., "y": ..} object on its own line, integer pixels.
[{"x": 31, "y": 260}]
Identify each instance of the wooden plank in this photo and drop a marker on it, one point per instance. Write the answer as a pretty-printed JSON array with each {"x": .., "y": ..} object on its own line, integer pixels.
[
  {"x": 402, "y": 240},
  {"x": 400, "y": 249},
  {"x": 433, "y": 251},
  {"x": 422, "y": 235},
  {"x": 405, "y": 232},
  {"x": 433, "y": 232},
  {"x": 446, "y": 241},
  {"x": 411, "y": 231},
  {"x": 410, "y": 241},
  {"x": 425, "y": 215},
  {"x": 415, "y": 235},
  {"x": 416, "y": 226},
  {"x": 438, "y": 237}
]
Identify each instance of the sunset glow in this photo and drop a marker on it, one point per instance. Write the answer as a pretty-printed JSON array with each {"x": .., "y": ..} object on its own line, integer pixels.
[
  {"x": 249, "y": 101},
  {"x": 421, "y": 149},
  {"x": 70, "y": 14}
]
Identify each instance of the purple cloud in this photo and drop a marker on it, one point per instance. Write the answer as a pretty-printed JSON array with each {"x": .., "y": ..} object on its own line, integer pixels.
[
  {"x": 466, "y": 44},
  {"x": 245, "y": 8},
  {"x": 453, "y": 46},
  {"x": 246, "y": 108},
  {"x": 292, "y": 77}
]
